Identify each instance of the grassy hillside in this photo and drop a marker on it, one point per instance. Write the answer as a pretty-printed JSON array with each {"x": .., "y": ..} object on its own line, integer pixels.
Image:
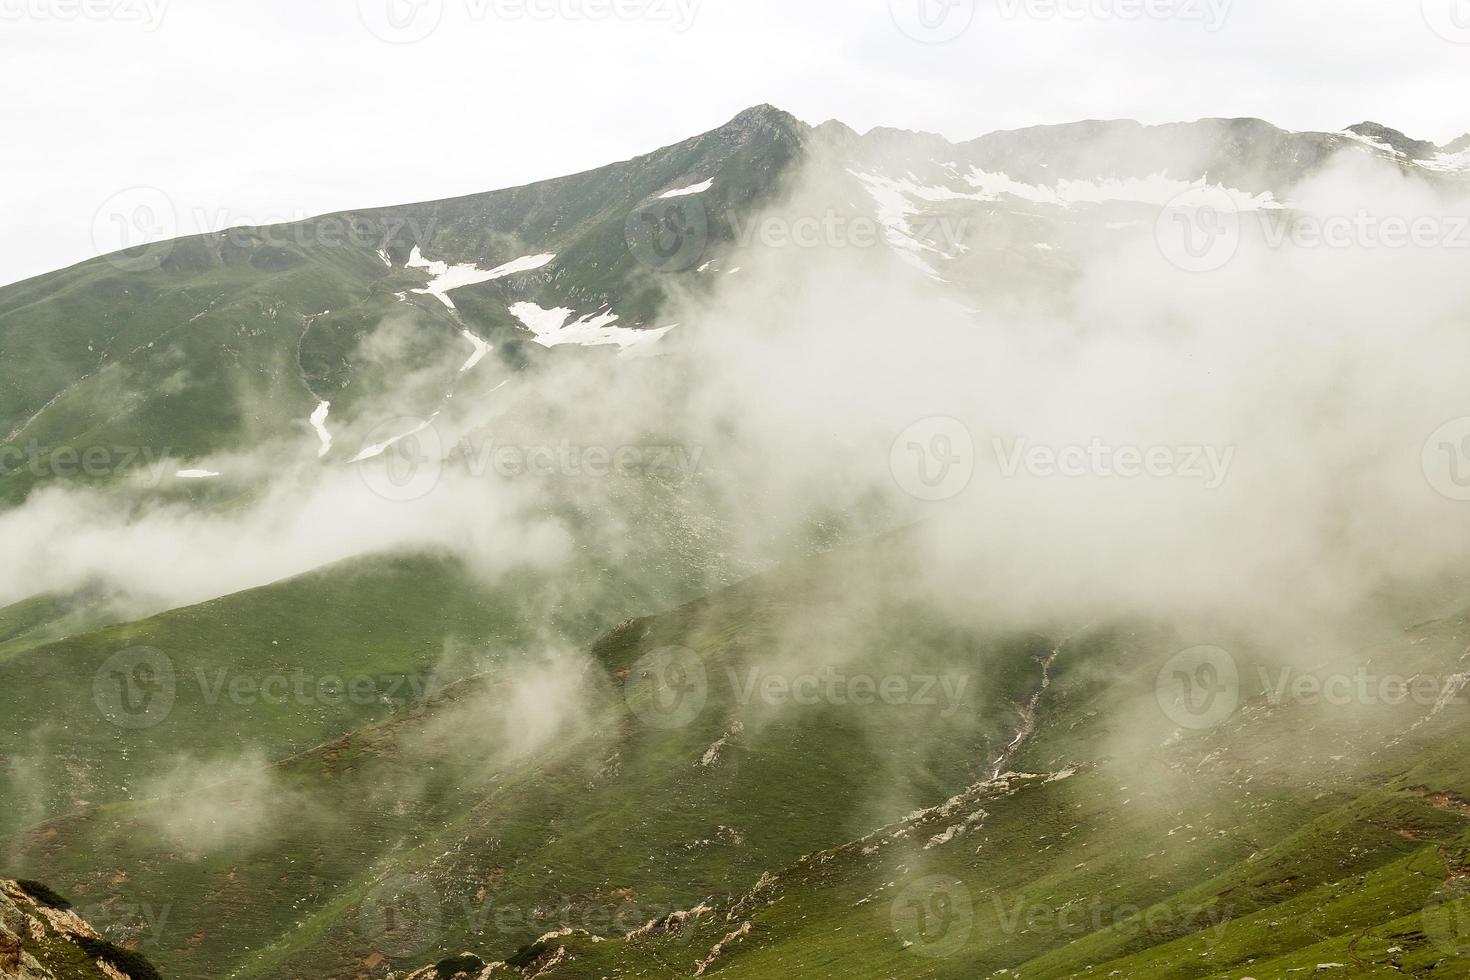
[
  {"x": 229, "y": 340},
  {"x": 607, "y": 815},
  {"x": 1294, "y": 838}
]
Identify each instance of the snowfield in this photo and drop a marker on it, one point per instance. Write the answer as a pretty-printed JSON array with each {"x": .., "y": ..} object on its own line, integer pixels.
[
  {"x": 687, "y": 191},
  {"x": 445, "y": 277},
  {"x": 552, "y": 329}
]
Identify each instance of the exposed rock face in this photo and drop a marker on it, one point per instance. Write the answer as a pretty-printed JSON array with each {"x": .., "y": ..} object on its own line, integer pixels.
[
  {"x": 1411, "y": 148},
  {"x": 41, "y": 938}
]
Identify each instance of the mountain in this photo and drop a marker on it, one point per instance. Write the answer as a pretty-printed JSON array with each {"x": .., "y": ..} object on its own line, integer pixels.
[
  {"x": 719, "y": 721},
  {"x": 182, "y": 349}
]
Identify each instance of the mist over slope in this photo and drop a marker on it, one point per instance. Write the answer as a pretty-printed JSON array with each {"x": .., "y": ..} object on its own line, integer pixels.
[{"x": 1031, "y": 415}]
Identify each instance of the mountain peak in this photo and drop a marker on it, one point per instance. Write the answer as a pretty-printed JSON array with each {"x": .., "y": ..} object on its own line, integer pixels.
[
  {"x": 765, "y": 116},
  {"x": 1458, "y": 146},
  {"x": 1379, "y": 133}
]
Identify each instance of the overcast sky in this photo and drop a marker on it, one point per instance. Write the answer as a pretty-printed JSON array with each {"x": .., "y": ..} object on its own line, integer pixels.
[{"x": 252, "y": 111}]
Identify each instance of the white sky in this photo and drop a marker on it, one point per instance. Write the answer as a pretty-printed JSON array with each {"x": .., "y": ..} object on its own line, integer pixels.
[{"x": 252, "y": 111}]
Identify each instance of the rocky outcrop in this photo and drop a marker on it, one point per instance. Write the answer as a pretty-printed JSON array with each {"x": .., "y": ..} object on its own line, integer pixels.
[{"x": 42, "y": 938}]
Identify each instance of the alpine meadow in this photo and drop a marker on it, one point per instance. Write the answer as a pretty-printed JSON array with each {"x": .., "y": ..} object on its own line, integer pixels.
[{"x": 1032, "y": 544}]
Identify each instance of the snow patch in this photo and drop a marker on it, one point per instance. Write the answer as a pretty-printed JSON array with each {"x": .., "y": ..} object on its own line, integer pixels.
[
  {"x": 1448, "y": 163},
  {"x": 687, "y": 191},
  {"x": 445, "y": 277},
  {"x": 481, "y": 349},
  {"x": 196, "y": 474},
  {"x": 1158, "y": 189},
  {"x": 1376, "y": 144},
  {"x": 319, "y": 423},
  {"x": 378, "y": 449},
  {"x": 552, "y": 329}
]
